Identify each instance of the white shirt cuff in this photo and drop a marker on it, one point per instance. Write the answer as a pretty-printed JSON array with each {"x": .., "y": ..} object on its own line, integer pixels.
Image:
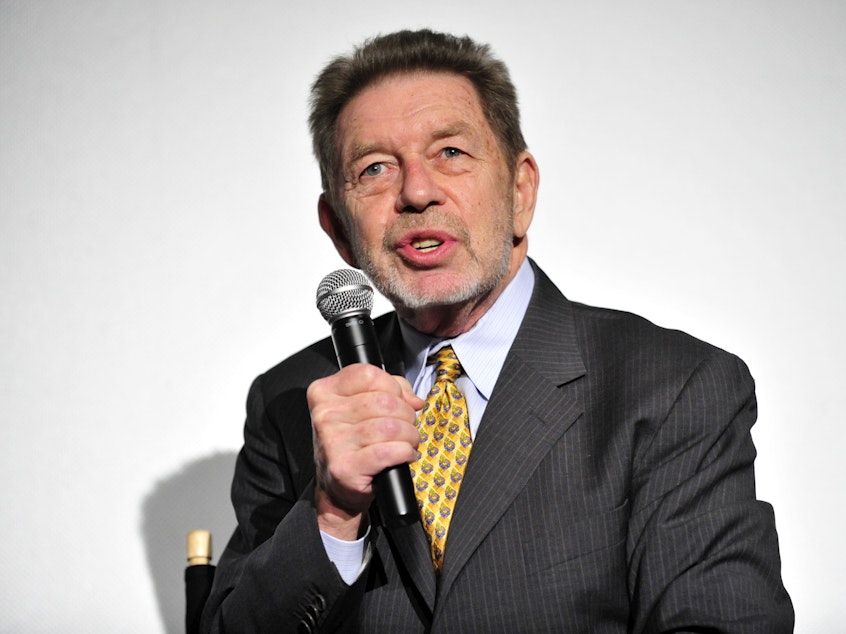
[{"x": 349, "y": 558}]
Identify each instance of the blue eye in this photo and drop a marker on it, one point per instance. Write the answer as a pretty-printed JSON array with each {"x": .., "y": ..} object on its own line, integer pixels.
[
  {"x": 452, "y": 152},
  {"x": 373, "y": 170}
]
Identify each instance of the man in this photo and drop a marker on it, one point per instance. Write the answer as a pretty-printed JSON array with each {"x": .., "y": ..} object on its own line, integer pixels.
[{"x": 607, "y": 481}]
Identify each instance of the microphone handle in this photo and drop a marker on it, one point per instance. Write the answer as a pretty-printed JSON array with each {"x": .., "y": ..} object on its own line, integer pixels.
[{"x": 354, "y": 338}]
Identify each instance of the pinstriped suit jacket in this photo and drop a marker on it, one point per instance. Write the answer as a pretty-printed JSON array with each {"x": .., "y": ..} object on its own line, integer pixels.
[{"x": 610, "y": 489}]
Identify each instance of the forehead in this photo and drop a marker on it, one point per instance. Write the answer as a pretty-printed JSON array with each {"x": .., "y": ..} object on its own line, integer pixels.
[{"x": 415, "y": 103}]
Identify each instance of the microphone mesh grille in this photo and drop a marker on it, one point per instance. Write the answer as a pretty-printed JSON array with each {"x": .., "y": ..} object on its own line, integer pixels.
[{"x": 344, "y": 291}]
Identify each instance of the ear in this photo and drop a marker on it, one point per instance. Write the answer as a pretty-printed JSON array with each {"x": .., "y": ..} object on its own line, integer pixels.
[
  {"x": 334, "y": 228},
  {"x": 526, "y": 181}
]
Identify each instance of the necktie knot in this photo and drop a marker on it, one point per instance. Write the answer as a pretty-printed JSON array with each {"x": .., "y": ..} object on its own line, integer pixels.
[{"x": 447, "y": 366}]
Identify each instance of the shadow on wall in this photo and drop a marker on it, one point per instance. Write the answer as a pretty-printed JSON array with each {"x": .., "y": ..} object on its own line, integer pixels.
[{"x": 197, "y": 496}]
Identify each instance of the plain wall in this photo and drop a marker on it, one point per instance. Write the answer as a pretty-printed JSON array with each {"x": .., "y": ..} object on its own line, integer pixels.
[{"x": 159, "y": 247}]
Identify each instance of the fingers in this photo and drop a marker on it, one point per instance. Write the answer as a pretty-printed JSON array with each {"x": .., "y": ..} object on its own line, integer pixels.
[
  {"x": 376, "y": 406},
  {"x": 364, "y": 422},
  {"x": 359, "y": 378}
]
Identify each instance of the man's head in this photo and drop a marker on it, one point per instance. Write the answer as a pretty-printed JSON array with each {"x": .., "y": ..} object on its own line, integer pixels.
[
  {"x": 425, "y": 189},
  {"x": 405, "y": 52}
]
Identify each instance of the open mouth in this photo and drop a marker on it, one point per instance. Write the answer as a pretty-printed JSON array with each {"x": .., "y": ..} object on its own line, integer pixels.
[{"x": 425, "y": 245}]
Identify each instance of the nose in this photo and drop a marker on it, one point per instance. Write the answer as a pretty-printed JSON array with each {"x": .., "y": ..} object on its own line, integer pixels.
[{"x": 419, "y": 189}]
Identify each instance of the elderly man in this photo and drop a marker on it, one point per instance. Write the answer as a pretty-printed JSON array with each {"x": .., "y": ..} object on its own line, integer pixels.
[{"x": 577, "y": 469}]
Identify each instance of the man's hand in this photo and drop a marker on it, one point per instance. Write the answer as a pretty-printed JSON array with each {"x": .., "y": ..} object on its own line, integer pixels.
[{"x": 364, "y": 422}]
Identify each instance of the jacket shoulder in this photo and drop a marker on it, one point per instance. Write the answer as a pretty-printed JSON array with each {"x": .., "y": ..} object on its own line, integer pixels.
[{"x": 631, "y": 338}]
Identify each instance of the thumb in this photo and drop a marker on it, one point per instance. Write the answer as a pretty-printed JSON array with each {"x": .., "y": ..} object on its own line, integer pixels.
[{"x": 408, "y": 394}]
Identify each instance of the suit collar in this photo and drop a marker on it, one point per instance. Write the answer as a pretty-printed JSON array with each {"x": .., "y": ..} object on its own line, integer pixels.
[
  {"x": 390, "y": 341},
  {"x": 547, "y": 338}
]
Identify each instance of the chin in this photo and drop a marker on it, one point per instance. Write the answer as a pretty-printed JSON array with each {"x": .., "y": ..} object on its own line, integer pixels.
[{"x": 405, "y": 296}]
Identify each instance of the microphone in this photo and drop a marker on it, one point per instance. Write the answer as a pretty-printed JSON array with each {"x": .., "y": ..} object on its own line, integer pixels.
[{"x": 345, "y": 299}]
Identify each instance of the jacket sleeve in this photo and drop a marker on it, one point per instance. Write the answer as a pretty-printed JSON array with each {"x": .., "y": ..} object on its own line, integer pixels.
[
  {"x": 274, "y": 574},
  {"x": 703, "y": 551}
]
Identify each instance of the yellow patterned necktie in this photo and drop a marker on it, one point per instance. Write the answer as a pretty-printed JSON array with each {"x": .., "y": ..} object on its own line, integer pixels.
[{"x": 445, "y": 445}]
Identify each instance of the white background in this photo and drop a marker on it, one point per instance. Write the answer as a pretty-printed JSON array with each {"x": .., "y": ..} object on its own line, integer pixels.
[{"x": 159, "y": 247}]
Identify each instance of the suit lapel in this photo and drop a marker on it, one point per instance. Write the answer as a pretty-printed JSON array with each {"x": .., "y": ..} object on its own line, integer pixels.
[
  {"x": 408, "y": 545},
  {"x": 528, "y": 413},
  {"x": 390, "y": 342}
]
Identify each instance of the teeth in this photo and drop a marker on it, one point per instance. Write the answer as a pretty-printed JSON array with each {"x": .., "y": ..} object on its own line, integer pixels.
[{"x": 426, "y": 244}]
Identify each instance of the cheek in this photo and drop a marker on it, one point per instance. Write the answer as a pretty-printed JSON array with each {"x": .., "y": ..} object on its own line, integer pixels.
[
  {"x": 368, "y": 229},
  {"x": 491, "y": 210}
]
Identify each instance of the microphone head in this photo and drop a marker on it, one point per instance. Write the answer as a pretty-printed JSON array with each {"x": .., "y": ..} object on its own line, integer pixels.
[{"x": 344, "y": 292}]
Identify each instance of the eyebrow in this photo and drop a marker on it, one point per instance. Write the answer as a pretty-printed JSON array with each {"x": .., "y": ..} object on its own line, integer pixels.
[
  {"x": 454, "y": 129},
  {"x": 360, "y": 151}
]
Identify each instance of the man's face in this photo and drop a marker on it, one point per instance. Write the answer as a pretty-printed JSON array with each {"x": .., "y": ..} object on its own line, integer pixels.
[{"x": 429, "y": 198}]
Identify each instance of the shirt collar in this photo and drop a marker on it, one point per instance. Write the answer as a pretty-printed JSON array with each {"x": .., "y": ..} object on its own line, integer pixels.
[{"x": 482, "y": 349}]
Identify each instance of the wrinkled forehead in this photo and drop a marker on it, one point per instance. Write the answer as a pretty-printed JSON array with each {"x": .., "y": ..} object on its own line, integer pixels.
[{"x": 430, "y": 104}]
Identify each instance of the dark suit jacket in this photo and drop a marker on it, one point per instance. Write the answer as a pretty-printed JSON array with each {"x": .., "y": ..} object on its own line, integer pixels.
[{"x": 610, "y": 489}]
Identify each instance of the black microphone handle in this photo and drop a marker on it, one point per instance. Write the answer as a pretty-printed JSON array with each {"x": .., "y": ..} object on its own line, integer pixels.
[{"x": 354, "y": 338}]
